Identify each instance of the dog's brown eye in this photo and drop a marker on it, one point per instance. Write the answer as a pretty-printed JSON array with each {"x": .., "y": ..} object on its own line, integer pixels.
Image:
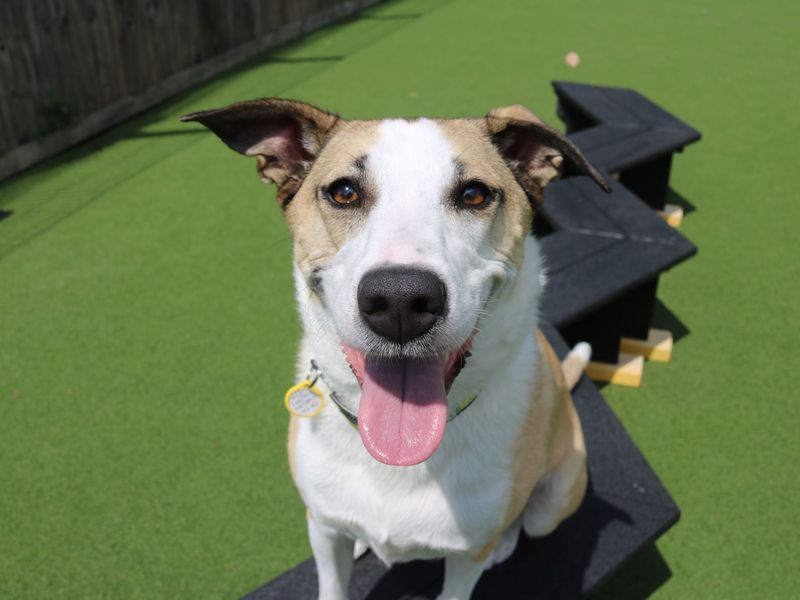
[
  {"x": 344, "y": 193},
  {"x": 474, "y": 195}
]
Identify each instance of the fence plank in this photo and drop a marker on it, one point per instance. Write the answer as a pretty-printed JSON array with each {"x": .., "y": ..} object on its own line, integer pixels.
[{"x": 84, "y": 65}]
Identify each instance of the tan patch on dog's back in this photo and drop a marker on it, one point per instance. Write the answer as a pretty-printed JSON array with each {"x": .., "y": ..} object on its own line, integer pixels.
[
  {"x": 566, "y": 432},
  {"x": 531, "y": 449},
  {"x": 551, "y": 431}
]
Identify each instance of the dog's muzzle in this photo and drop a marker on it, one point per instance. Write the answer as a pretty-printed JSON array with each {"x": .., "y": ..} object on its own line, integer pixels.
[{"x": 401, "y": 303}]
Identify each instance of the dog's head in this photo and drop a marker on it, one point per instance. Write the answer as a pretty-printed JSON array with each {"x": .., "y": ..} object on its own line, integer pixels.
[{"x": 403, "y": 231}]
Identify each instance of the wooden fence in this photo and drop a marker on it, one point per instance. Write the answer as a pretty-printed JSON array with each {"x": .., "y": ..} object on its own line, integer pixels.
[{"x": 71, "y": 68}]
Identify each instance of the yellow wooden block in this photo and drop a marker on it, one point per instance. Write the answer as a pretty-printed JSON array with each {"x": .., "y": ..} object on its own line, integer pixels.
[
  {"x": 657, "y": 346},
  {"x": 627, "y": 371},
  {"x": 672, "y": 214}
]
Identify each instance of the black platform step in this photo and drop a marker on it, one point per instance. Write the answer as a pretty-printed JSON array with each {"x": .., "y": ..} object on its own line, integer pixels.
[
  {"x": 624, "y": 133},
  {"x": 626, "y": 508},
  {"x": 605, "y": 252}
]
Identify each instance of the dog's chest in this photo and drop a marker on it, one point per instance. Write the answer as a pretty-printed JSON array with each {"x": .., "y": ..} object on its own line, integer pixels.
[{"x": 454, "y": 503}]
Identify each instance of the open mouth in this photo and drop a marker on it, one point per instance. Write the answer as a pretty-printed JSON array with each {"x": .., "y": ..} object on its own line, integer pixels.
[{"x": 403, "y": 410}]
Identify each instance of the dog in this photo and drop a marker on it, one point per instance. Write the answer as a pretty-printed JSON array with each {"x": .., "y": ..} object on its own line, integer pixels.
[{"x": 434, "y": 420}]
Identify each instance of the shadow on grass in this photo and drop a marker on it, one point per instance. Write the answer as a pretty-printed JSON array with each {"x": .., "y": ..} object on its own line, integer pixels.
[
  {"x": 674, "y": 197},
  {"x": 664, "y": 318},
  {"x": 405, "y": 17},
  {"x": 167, "y": 132},
  {"x": 641, "y": 576},
  {"x": 303, "y": 59}
]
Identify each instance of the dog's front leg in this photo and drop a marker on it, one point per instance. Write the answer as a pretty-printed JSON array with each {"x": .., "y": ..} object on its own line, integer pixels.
[
  {"x": 333, "y": 553},
  {"x": 461, "y": 573}
]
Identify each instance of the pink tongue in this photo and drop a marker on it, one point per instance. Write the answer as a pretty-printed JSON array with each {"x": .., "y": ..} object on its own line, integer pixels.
[{"x": 403, "y": 409}]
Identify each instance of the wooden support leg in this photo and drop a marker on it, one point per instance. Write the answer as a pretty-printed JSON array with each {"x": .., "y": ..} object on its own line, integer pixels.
[
  {"x": 627, "y": 371},
  {"x": 657, "y": 347},
  {"x": 672, "y": 214}
]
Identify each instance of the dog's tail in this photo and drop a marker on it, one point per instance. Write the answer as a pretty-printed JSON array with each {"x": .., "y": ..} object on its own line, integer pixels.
[{"x": 575, "y": 362}]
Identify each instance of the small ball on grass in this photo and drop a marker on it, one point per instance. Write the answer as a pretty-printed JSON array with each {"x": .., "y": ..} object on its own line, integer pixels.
[{"x": 572, "y": 59}]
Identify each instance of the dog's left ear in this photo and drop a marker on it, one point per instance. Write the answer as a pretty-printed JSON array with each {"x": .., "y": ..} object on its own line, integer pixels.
[
  {"x": 537, "y": 153},
  {"x": 285, "y": 136}
]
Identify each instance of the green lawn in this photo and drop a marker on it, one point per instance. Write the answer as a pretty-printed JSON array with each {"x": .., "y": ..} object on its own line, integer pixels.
[{"x": 147, "y": 326}]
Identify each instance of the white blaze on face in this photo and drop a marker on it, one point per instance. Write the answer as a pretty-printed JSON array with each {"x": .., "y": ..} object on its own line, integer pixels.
[{"x": 412, "y": 166}]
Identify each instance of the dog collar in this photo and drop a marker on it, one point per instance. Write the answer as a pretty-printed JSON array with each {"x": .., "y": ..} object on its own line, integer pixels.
[{"x": 315, "y": 374}]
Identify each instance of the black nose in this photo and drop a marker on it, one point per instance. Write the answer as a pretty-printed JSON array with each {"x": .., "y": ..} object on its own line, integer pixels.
[{"x": 401, "y": 303}]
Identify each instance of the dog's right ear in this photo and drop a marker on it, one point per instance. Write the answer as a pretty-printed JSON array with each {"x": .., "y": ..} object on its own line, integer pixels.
[{"x": 285, "y": 136}]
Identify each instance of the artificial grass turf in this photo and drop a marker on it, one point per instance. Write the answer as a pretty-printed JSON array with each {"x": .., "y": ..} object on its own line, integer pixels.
[{"x": 148, "y": 326}]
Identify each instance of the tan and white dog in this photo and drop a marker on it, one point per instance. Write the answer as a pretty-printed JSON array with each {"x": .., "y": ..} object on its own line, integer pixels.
[{"x": 447, "y": 424}]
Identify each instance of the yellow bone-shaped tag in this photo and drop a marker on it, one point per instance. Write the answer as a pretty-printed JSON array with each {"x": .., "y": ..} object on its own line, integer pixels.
[{"x": 304, "y": 399}]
